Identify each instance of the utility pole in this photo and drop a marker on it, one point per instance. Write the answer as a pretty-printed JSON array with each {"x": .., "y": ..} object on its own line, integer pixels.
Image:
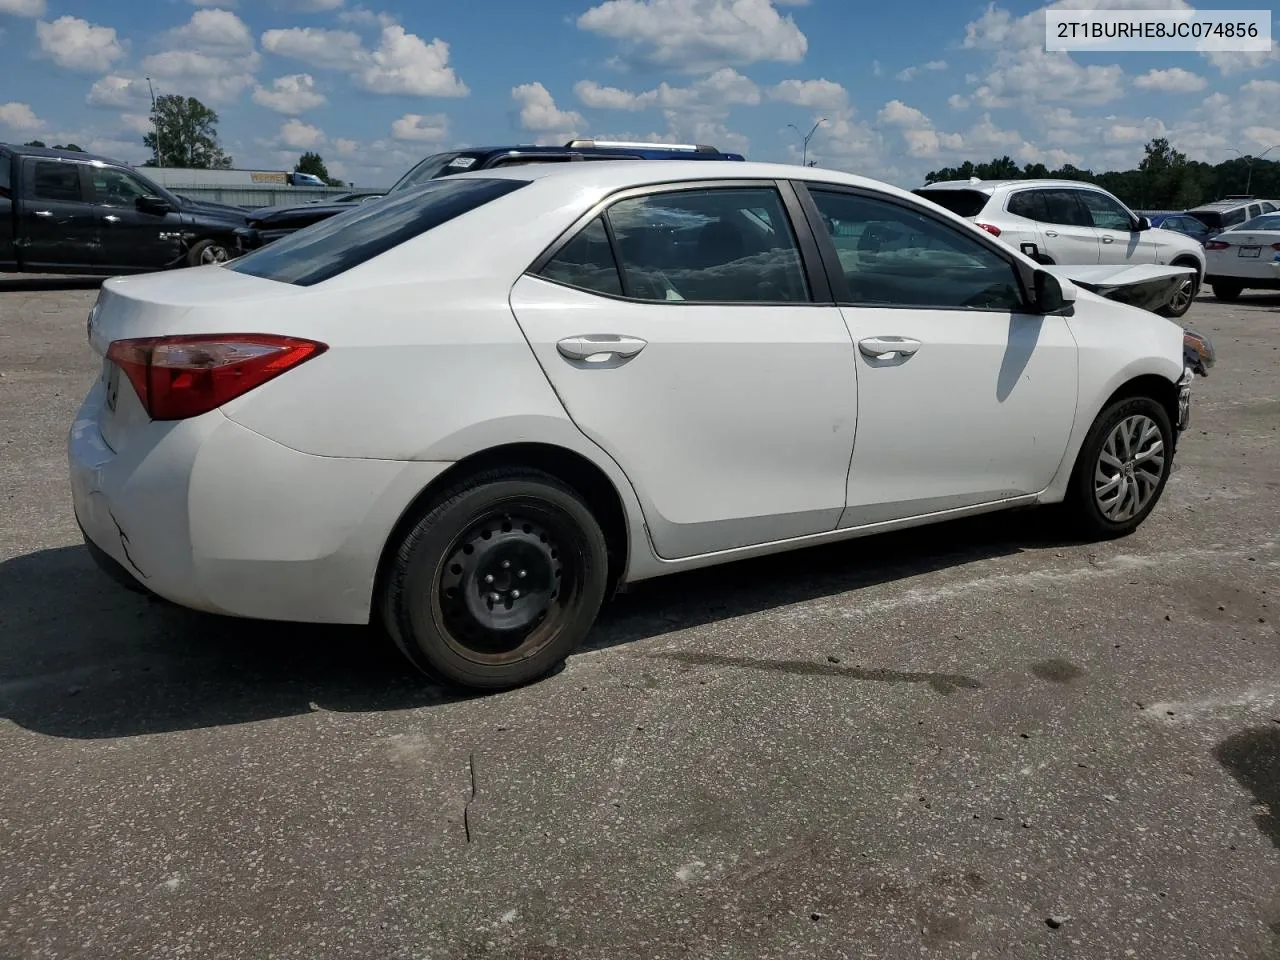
[
  {"x": 805, "y": 138},
  {"x": 155, "y": 119},
  {"x": 1248, "y": 158}
]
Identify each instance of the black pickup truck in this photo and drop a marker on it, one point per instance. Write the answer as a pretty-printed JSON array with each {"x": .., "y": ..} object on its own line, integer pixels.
[{"x": 68, "y": 212}]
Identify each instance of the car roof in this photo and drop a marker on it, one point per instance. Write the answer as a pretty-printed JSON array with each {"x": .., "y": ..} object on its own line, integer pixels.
[
  {"x": 1218, "y": 206},
  {"x": 621, "y": 174},
  {"x": 52, "y": 154},
  {"x": 561, "y": 150}
]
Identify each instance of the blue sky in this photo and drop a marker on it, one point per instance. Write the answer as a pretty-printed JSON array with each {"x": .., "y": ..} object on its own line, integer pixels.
[{"x": 904, "y": 87}]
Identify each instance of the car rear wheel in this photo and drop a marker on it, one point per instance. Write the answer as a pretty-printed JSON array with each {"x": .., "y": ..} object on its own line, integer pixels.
[
  {"x": 1122, "y": 469},
  {"x": 1228, "y": 291},
  {"x": 498, "y": 582}
]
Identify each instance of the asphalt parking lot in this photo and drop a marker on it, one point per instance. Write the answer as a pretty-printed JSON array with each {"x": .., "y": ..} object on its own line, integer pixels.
[{"x": 969, "y": 741}]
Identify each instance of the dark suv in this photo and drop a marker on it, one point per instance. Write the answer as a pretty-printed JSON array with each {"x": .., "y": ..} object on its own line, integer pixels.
[{"x": 272, "y": 223}]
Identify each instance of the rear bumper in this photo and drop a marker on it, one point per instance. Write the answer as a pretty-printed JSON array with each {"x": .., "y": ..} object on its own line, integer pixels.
[{"x": 214, "y": 517}]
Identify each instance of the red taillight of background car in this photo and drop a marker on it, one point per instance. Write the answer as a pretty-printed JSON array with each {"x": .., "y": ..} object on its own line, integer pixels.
[
  {"x": 1215, "y": 245},
  {"x": 991, "y": 228},
  {"x": 1275, "y": 246},
  {"x": 184, "y": 376}
]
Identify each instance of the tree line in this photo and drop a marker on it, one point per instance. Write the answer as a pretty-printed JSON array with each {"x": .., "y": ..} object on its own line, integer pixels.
[{"x": 1164, "y": 180}]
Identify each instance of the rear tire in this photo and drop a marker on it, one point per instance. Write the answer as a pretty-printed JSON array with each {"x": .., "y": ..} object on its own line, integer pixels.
[
  {"x": 1227, "y": 291},
  {"x": 498, "y": 582},
  {"x": 1122, "y": 469}
]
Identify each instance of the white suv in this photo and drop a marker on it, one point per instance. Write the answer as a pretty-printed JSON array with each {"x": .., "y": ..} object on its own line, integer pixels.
[{"x": 1071, "y": 223}]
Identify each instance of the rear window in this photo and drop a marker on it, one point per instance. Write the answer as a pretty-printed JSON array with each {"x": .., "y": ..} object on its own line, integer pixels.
[
  {"x": 963, "y": 203},
  {"x": 330, "y": 247},
  {"x": 1268, "y": 221}
]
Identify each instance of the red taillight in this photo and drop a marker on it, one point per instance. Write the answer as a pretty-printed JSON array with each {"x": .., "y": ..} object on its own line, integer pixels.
[
  {"x": 185, "y": 376},
  {"x": 1275, "y": 246},
  {"x": 991, "y": 228},
  {"x": 1215, "y": 245}
]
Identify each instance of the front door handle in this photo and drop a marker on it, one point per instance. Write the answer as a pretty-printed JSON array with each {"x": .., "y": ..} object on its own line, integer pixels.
[
  {"x": 1108, "y": 239},
  {"x": 44, "y": 213},
  {"x": 598, "y": 348},
  {"x": 1050, "y": 233},
  {"x": 111, "y": 218},
  {"x": 887, "y": 348}
]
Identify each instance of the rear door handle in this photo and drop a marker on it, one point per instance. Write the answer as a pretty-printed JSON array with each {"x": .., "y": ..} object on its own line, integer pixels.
[
  {"x": 111, "y": 218},
  {"x": 598, "y": 348},
  {"x": 1050, "y": 233},
  {"x": 1108, "y": 239},
  {"x": 886, "y": 348}
]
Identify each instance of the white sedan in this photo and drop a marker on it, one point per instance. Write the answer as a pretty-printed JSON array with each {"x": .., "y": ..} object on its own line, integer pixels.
[
  {"x": 1246, "y": 257},
  {"x": 471, "y": 411}
]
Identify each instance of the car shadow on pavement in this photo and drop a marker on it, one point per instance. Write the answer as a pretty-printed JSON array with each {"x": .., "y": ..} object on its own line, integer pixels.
[
  {"x": 51, "y": 282},
  {"x": 82, "y": 658}
]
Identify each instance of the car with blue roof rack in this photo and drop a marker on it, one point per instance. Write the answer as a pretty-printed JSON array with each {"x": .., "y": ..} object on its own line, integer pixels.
[{"x": 271, "y": 223}]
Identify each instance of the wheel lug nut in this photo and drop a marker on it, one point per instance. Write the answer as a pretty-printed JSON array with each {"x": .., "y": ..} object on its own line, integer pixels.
[
  {"x": 494, "y": 597},
  {"x": 522, "y": 574},
  {"x": 506, "y": 564},
  {"x": 488, "y": 578},
  {"x": 515, "y": 594}
]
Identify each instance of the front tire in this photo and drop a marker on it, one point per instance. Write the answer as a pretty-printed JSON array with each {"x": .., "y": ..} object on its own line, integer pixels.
[
  {"x": 498, "y": 582},
  {"x": 1228, "y": 292},
  {"x": 1122, "y": 469},
  {"x": 1183, "y": 296},
  {"x": 208, "y": 251}
]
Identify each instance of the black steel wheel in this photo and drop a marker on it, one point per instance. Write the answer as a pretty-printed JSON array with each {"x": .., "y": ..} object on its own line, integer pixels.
[{"x": 498, "y": 582}]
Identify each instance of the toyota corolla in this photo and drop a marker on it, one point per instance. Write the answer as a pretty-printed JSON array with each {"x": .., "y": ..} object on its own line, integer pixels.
[{"x": 470, "y": 412}]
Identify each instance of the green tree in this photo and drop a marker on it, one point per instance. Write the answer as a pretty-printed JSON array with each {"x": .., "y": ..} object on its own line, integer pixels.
[
  {"x": 35, "y": 143},
  {"x": 188, "y": 135},
  {"x": 312, "y": 163}
]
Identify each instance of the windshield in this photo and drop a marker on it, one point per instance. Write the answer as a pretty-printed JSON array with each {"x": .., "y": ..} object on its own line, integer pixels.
[
  {"x": 1268, "y": 221},
  {"x": 436, "y": 165}
]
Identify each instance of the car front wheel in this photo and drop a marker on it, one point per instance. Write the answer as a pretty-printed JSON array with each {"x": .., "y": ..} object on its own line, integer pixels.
[
  {"x": 1122, "y": 469},
  {"x": 498, "y": 582},
  {"x": 1183, "y": 296}
]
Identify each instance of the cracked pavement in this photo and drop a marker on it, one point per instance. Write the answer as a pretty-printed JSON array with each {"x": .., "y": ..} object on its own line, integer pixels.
[{"x": 966, "y": 741}]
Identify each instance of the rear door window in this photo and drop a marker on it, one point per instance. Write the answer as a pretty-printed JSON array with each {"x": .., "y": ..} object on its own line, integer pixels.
[
  {"x": 56, "y": 181},
  {"x": 334, "y": 246},
  {"x": 1064, "y": 207},
  {"x": 1029, "y": 204}
]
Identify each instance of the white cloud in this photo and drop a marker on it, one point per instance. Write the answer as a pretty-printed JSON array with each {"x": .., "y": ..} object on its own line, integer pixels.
[
  {"x": 23, "y": 8},
  {"x": 711, "y": 95},
  {"x": 1173, "y": 80},
  {"x": 898, "y": 114},
  {"x": 592, "y": 94},
  {"x": 910, "y": 73},
  {"x": 129, "y": 151},
  {"x": 819, "y": 94},
  {"x": 958, "y": 102},
  {"x": 364, "y": 17},
  {"x": 1120, "y": 131},
  {"x": 334, "y": 49},
  {"x": 404, "y": 64},
  {"x": 301, "y": 136},
  {"x": 290, "y": 94},
  {"x": 698, "y": 35},
  {"x": 307, "y": 6},
  {"x": 212, "y": 32},
  {"x": 116, "y": 91},
  {"x": 224, "y": 4},
  {"x": 209, "y": 78},
  {"x": 1243, "y": 61},
  {"x": 137, "y": 122},
  {"x": 538, "y": 110},
  {"x": 77, "y": 44},
  {"x": 19, "y": 116},
  {"x": 345, "y": 147},
  {"x": 414, "y": 127}
]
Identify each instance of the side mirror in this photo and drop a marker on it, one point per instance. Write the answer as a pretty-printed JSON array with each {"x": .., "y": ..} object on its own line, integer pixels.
[
  {"x": 158, "y": 206},
  {"x": 1144, "y": 223},
  {"x": 1052, "y": 294}
]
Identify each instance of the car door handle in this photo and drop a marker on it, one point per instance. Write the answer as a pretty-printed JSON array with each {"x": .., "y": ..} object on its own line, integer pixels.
[
  {"x": 598, "y": 348},
  {"x": 1050, "y": 233},
  {"x": 1108, "y": 239},
  {"x": 886, "y": 348},
  {"x": 111, "y": 218},
  {"x": 44, "y": 213}
]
